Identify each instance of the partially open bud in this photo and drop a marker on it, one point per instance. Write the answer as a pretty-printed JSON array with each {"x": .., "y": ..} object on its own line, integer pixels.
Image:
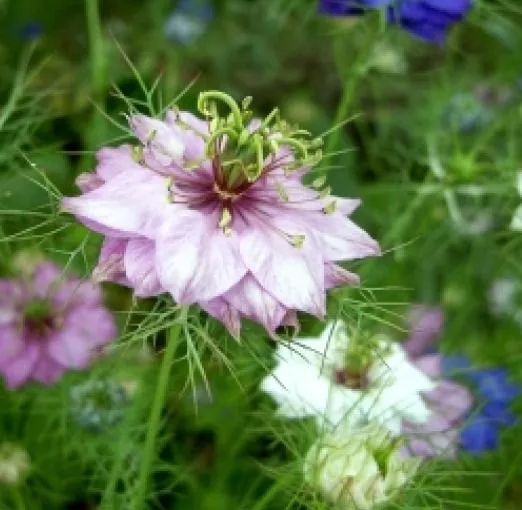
[
  {"x": 358, "y": 468},
  {"x": 14, "y": 463}
]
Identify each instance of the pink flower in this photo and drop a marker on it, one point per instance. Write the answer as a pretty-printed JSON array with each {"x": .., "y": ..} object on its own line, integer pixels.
[
  {"x": 215, "y": 212},
  {"x": 49, "y": 325},
  {"x": 449, "y": 403},
  {"x": 425, "y": 326}
]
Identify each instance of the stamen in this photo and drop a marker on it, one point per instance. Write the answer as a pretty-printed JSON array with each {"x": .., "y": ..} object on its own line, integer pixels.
[
  {"x": 330, "y": 208},
  {"x": 137, "y": 153},
  {"x": 226, "y": 218},
  {"x": 325, "y": 192},
  {"x": 297, "y": 241},
  {"x": 282, "y": 192},
  {"x": 319, "y": 182}
]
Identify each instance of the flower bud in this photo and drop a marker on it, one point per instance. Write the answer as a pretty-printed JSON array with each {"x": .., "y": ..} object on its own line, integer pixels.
[
  {"x": 358, "y": 468},
  {"x": 14, "y": 463}
]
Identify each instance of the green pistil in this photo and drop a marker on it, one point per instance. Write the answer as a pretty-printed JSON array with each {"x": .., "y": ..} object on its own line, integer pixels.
[
  {"x": 244, "y": 157},
  {"x": 37, "y": 310}
]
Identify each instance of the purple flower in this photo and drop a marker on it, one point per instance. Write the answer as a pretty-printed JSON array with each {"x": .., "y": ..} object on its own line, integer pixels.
[
  {"x": 425, "y": 326},
  {"x": 451, "y": 403},
  {"x": 215, "y": 212},
  {"x": 48, "y": 325},
  {"x": 426, "y": 19}
]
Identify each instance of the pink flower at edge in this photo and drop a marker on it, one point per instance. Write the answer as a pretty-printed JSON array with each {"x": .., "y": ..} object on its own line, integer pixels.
[
  {"x": 50, "y": 324},
  {"x": 449, "y": 404},
  {"x": 173, "y": 222}
]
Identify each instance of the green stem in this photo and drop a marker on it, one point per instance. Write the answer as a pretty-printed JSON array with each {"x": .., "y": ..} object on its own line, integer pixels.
[
  {"x": 96, "y": 49},
  {"x": 349, "y": 87},
  {"x": 342, "y": 113},
  {"x": 18, "y": 499},
  {"x": 149, "y": 451}
]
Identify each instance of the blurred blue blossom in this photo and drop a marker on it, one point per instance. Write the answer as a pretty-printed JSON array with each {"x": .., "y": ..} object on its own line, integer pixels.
[
  {"x": 98, "y": 404},
  {"x": 479, "y": 435},
  {"x": 31, "y": 30},
  {"x": 188, "y": 21},
  {"x": 426, "y": 19},
  {"x": 465, "y": 112},
  {"x": 495, "y": 393}
]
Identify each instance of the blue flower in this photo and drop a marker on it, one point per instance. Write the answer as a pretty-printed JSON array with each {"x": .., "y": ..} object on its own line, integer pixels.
[
  {"x": 498, "y": 413},
  {"x": 466, "y": 113},
  {"x": 426, "y": 19},
  {"x": 478, "y": 435},
  {"x": 495, "y": 392},
  {"x": 188, "y": 21},
  {"x": 492, "y": 384},
  {"x": 31, "y": 30}
]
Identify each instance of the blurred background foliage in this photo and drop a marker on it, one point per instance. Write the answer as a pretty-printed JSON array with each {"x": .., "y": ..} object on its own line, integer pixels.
[{"x": 433, "y": 147}]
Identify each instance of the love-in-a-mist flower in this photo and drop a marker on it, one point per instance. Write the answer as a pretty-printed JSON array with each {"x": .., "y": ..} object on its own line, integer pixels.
[
  {"x": 342, "y": 380},
  {"x": 426, "y": 19},
  {"x": 50, "y": 323},
  {"x": 449, "y": 402},
  {"x": 494, "y": 395},
  {"x": 516, "y": 222},
  {"x": 358, "y": 468},
  {"x": 461, "y": 418},
  {"x": 215, "y": 212}
]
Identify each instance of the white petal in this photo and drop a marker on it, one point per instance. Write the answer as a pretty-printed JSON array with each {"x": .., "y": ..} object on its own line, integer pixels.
[{"x": 516, "y": 222}]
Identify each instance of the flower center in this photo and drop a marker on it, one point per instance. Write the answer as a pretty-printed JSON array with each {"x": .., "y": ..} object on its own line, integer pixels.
[
  {"x": 240, "y": 149},
  {"x": 356, "y": 380},
  {"x": 39, "y": 317}
]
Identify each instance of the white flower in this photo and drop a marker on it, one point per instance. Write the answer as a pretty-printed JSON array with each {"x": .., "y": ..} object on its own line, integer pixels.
[
  {"x": 516, "y": 222},
  {"x": 504, "y": 297},
  {"x": 310, "y": 380},
  {"x": 14, "y": 463},
  {"x": 358, "y": 468}
]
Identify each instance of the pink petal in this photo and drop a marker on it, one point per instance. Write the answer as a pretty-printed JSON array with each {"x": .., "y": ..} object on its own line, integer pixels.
[
  {"x": 195, "y": 260},
  {"x": 11, "y": 295},
  {"x": 429, "y": 364},
  {"x": 224, "y": 312},
  {"x": 339, "y": 238},
  {"x": 336, "y": 276},
  {"x": 113, "y": 161},
  {"x": 293, "y": 275},
  {"x": 440, "y": 444},
  {"x": 346, "y": 206},
  {"x": 254, "y": 302},
  {"x": 47, "y": 277},
  {"x": 450, "y": 400},
  {"x": 19, "y": 369},
  {"x": 110, "y": 264},
  {"x": 47, "y": 371},
  {"x": 140, "y": 268},
  {"x": 133, "y": 203},
  {"x": 426, "y": 324},
  {"x": 191, "y": 131},
  {"x": 164, "y": 144},
  {"x": 88, "y": 182},
  {"x": 84, "y": 330},
  {"x": 11, "y": 344}
]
